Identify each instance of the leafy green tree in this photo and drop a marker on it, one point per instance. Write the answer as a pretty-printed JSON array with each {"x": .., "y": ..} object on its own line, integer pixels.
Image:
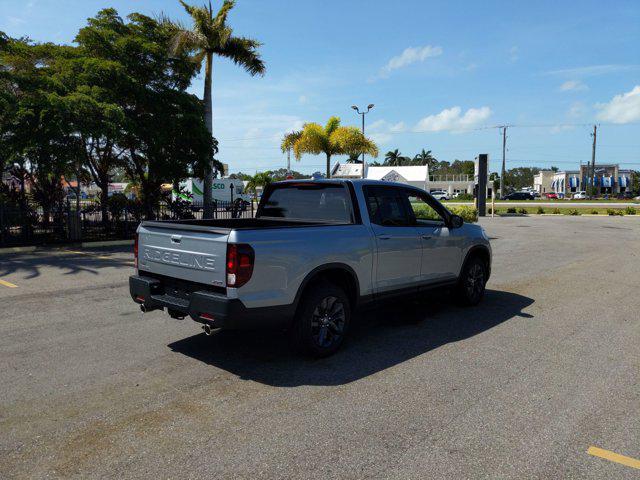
[
  {"x": 35, "y": 133},
  {"x": 282, "y": 174},
  {"x": 139, "y": 87},
  {"x": 332, "y": 139},
  {"x": 211, "y": 35}
]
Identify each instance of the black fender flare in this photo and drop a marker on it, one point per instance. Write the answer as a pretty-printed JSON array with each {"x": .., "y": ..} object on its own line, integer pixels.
[
  {"x": 473, "y": 251},
  {"x": 323, "y": 268}
]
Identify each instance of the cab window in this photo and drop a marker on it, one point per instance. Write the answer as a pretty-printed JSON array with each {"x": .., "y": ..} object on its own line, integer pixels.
[
  {"x": 424, "y": 209},
  {"x": 387, "y": 207}
]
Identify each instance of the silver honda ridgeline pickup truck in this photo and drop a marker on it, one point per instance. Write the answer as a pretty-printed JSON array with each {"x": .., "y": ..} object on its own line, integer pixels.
[{"x": 314, "y": 253}]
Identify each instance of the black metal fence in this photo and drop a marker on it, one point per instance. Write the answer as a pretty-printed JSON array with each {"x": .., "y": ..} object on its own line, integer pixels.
[{"x": 31, "y": 225}]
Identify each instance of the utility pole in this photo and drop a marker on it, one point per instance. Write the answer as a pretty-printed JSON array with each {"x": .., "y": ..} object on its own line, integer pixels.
[
  {"x": 593, "y": 162},
  {"x": 504, "y": 154}
]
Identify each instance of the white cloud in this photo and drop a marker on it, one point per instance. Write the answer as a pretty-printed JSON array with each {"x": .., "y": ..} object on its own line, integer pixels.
[
  {"x": 622, "y": 108},
  {"x": 592, "y": 70},
  {"x": 573, "y": 86},
  {"x": 382, "y": 131},
  {"x": 577, "y": 110},
  {"x": 560, "y": 128},
  {"x": 514, "y": 53},
  {"x": 452, "y": 119},
  {"x": 303, "y": 99},
  {"x": 411, "y": 55}
]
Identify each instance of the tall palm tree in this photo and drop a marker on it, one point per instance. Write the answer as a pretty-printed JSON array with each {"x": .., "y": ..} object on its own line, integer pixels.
[
  {"x": 424, "y": 158},
  {"x": 332, "y": 139},
  {"x": 395, "y": 159},
  {"x": 209, "y": 36}
]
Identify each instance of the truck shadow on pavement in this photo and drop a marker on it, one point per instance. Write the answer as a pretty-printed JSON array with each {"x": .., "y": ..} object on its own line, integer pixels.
[{"x": 378, "y": 340}]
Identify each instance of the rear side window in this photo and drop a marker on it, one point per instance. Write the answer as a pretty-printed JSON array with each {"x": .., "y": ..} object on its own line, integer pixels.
[
  {"x": 317, "y": 202},
  {"x": 387, "y": 207}
]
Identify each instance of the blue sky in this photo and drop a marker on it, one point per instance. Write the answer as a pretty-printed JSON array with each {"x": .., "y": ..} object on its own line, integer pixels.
[{"x": 439, "y": 73}]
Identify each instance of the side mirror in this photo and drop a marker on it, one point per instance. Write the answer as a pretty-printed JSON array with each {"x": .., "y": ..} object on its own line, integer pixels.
[{"x": 456, "y": 221}]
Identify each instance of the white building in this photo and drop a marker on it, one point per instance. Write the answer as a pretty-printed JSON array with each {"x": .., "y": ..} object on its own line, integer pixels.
[
  {"x": 346, "y": 170},
  {"x": 543, "y": 181},
  {"x": 417, "y": 176}
]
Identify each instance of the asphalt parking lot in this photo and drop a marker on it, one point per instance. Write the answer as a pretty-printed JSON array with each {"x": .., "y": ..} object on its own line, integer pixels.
[{"x": 520, "y": 387}]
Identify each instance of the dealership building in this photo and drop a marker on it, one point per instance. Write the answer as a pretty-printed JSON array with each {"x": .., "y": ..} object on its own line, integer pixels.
[
  {"x": 607, "y": 180},
  {"x": 417, "y": 176}
]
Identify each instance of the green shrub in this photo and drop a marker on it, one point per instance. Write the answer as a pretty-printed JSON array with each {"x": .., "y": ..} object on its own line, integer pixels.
[
  {"x": 594, "y": 212},
  {"x": 511, "y": 210},
  {"x": 574, "y": 211},
  {"x": 614, "y": 212},
  {"x": 468, "y": 214},
  {"x": 117, "y": 203},
  {"x": 464, "y": 197},
  {"x": 427, "y": 213},
  {"x": 630, "y": 211},
  {"x": 556, "y": 211},
  {"x": 523, "y": 211},
  {"x": 540, "y": 210}
]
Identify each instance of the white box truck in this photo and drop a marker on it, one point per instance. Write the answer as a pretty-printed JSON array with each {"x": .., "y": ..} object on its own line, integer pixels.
[{"x": 192, "y": 190}]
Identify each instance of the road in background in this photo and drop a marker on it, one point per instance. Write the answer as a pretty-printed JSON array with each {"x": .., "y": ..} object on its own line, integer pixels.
[
  {"x": 518, "y": 387},
  {"x": 559, "y": 204}
]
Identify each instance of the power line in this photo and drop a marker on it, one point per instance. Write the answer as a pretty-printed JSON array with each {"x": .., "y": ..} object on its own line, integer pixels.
[{"x": 462, "y": 130}]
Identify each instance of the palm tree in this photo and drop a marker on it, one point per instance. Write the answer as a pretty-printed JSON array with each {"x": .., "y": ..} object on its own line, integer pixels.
[
  {"x": 354, "y": 158},
  {"x": 395, "y": 159},
  {"x": 288, "y": 141},
  {"x": 209, "y": 36},
  {"x": 261, "y": 179},
  {"x": 424, "y": 158},
  {"x": 332, "y": 139}
]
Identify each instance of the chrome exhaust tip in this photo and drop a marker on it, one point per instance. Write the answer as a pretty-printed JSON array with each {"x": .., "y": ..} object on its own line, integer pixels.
[
  {"x": 207, "y": 329},
  {"x": 143, "y": 309}
]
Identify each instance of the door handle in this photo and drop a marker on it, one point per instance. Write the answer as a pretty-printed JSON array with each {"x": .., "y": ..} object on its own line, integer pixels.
[
  {"x": 426, "y": 237},
  {"x": 176, "y": 238},
  {"x": 384, "y": 237}
]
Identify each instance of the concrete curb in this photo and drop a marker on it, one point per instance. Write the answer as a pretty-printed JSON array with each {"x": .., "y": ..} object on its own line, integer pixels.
[
  {"x": 29, "y": 249},
  {"x": 108, "y": 243}
]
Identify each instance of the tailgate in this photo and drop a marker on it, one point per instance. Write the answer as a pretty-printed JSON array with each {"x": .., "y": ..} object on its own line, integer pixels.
[{"x": 187, "y": 255}]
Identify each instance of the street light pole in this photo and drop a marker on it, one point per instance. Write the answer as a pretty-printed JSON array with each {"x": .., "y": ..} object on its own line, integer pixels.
[{"x": 363, "y": 113}]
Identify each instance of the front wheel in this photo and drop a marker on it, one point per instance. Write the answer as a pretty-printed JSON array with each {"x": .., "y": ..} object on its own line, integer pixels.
[
  {"x": 322, "y": 320},
  {"x": 472, "y": 282}
]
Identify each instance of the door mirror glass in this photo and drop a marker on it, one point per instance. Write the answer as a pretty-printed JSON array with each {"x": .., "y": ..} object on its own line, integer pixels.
[{"x": 456, "y": 221}]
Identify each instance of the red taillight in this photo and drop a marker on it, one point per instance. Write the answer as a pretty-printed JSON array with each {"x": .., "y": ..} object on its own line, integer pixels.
[
  {"x": 240, "y": 259},
  {"x": 135, "y": 252}
]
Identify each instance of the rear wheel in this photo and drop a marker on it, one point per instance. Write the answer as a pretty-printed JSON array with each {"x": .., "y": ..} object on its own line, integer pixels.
[
  {"x": 322, "y": 320},
  {"x": 471, "y": 285}
]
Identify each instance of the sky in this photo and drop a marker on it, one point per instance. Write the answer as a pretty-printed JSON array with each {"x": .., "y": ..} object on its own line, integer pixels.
[{"x": 443, "y": 75}]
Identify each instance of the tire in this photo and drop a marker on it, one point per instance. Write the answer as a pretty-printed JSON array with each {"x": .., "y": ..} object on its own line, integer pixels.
[
  {"x": 322, "y": 320},
  {"x": 472, "y": 282}
]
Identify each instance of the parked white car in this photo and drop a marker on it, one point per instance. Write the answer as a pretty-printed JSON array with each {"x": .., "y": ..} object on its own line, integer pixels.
[
  {"x": 580, "y": 195},
  {"x": 440, "y": 195}
]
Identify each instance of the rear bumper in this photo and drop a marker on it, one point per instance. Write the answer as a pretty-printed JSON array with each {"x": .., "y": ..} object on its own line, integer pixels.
[{"x": 207, "y": 307}]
